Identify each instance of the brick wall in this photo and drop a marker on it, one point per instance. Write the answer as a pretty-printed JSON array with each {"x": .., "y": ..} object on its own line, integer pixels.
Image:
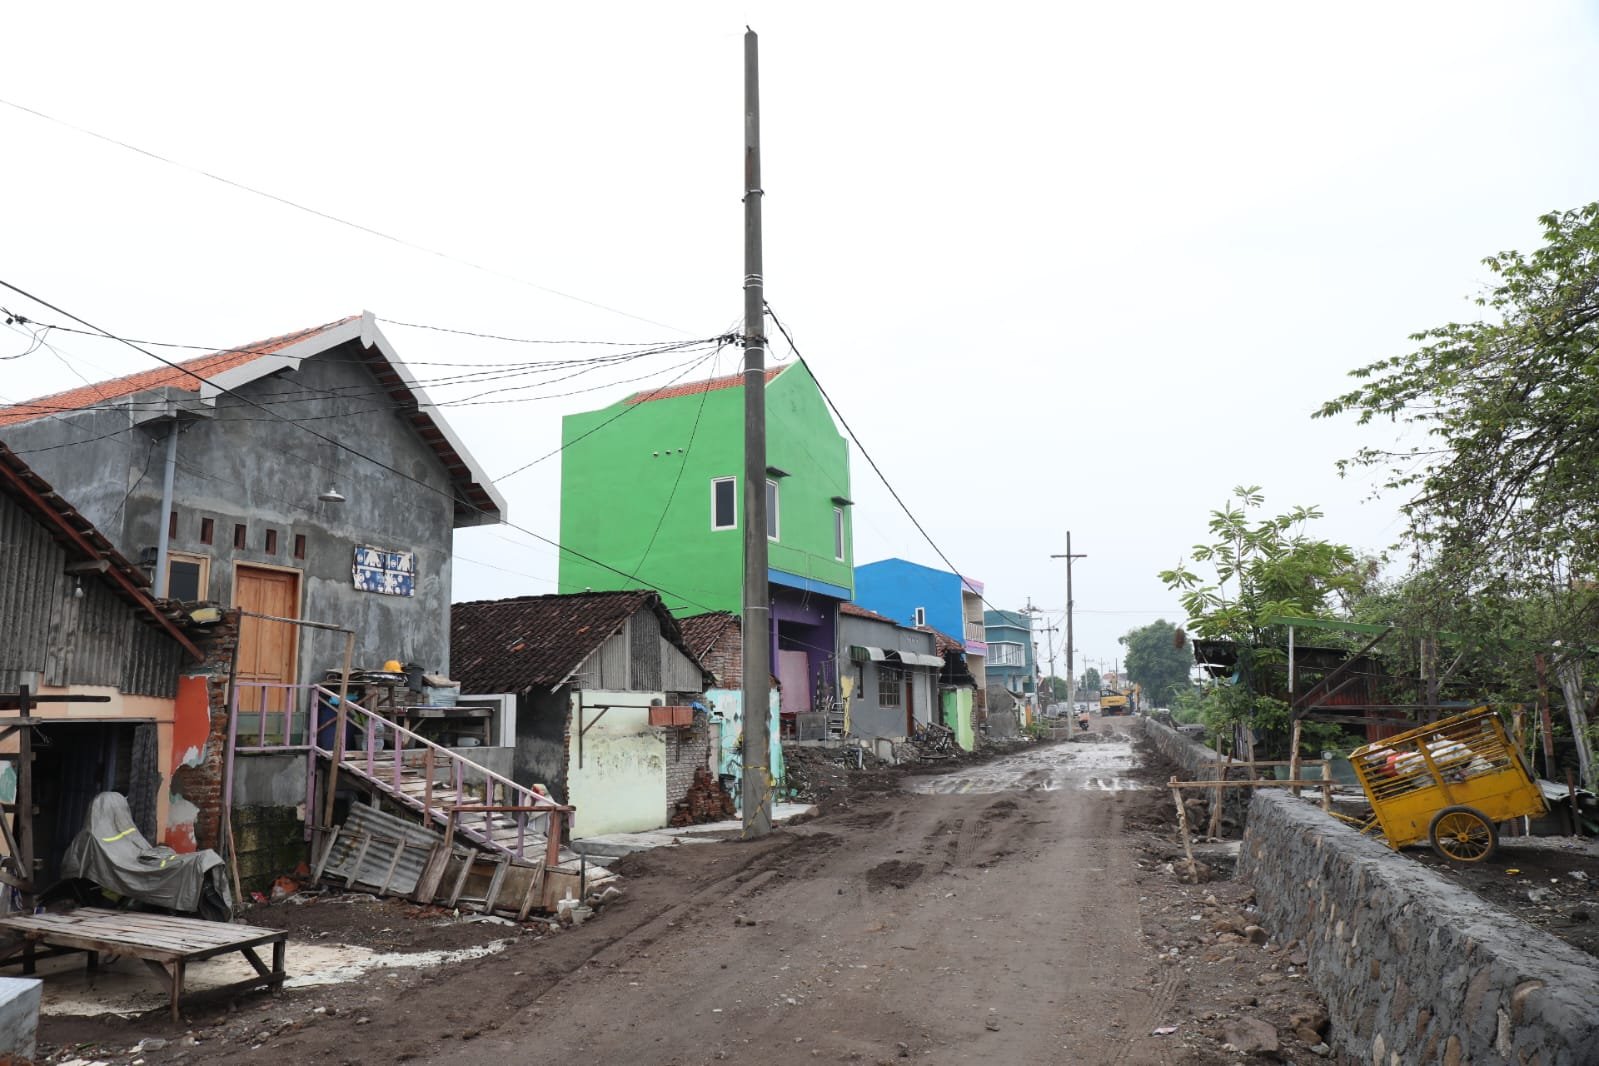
[
  {"x": 202, "y": 785},
  {"x": 686, "y": 751},
  {"x": 725, "y": 659}
]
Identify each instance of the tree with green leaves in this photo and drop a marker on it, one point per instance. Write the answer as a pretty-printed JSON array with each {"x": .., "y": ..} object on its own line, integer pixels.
[
  {"x": 1264, "y": 567},
  {"x": 1159, "y": 661},
  {"x": 1091, "y": 680},
  {"x": 1054, "y": 689},
  {"x": 1500, "y": 415},
  {"x": 1496, "y": 420}
]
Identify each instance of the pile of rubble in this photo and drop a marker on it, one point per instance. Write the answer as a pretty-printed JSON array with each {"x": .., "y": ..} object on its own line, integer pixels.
[{"x": 705, "y": 801}]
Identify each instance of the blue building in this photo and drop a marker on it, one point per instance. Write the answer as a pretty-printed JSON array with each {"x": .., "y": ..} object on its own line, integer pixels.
[
  {"x": 1012, "y": 659},
  {"x": 916, "y": 595}
]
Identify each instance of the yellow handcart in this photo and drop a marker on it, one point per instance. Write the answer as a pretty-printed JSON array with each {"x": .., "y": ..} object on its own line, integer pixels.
[{"x": 1449, "y": 783}]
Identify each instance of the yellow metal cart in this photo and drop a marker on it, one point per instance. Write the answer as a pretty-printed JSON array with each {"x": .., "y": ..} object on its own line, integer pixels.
[{"x": 1449, "y": 783}]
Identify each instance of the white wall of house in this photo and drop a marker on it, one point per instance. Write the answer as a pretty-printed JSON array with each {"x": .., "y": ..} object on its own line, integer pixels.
[{"x": 616, "y": 773}]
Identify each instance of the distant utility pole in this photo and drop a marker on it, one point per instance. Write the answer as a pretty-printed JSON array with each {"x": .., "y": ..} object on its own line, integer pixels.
[
  {"x": 1050, "y": 629},
  {"x": 757, "y": 609},
  {"x": 1071, "y": 675}
]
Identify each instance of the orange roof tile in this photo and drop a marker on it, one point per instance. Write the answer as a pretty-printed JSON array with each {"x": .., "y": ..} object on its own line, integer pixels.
[
  {"x": 187, "y": 378},
  {"x": 694, "y": 388}
]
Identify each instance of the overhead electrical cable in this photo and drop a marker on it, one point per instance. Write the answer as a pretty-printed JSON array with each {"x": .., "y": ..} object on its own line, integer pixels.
[
  {"x": 340, "y": 445},
  {"x": 369, "y": 230},
  {"x": 868, "y": 455}
]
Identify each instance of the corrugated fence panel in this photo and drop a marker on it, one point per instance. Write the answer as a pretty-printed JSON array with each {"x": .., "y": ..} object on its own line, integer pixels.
[{"x": 93, "y": 639}]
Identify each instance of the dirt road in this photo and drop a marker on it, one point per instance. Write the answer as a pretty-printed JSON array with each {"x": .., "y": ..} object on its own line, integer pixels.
[
  {"x": 1016, "y": 912},
  {"x": 991, "y": 916}
]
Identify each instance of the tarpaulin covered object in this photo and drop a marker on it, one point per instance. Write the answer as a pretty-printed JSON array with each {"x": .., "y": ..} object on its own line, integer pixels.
[{"x": 113, "y": 854}]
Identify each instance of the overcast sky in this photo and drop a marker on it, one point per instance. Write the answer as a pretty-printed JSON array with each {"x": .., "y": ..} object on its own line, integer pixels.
[{"x": 1063, "y": 266}]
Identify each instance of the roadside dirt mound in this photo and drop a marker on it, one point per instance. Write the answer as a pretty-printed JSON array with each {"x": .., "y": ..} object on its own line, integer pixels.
[{"x": 893, "y": 874}]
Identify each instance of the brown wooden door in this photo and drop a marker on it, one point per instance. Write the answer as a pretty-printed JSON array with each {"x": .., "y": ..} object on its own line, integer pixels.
[
  {"x": 266, "y": 649},
  {"x": 910, "y": 706}
]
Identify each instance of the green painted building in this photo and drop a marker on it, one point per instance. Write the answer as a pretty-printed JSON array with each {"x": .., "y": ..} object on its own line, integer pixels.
[{"x": 653, "y": 487}]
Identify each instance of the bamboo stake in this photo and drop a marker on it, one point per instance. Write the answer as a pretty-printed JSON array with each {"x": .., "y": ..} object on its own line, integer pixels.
[
  {"x": 1216, "y": 797},
  {"x": 1326, "y": 790},
  {"x": 1182, "y": 825}
]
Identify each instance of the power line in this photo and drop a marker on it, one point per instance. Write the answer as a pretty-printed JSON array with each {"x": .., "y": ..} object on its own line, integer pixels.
[
  {"x": 868, "y": 455},
  {"x": 340, "y": 445},
  {"x": 681, "y": 467},
  {"x": 626, "y": 407},
  {"x": 370, "y": 231}
]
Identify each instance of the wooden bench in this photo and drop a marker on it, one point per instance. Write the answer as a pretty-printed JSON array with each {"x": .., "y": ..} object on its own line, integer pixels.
[{"x": 164, "y": 943}]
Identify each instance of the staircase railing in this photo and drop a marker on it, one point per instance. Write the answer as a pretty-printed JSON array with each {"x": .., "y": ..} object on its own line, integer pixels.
[{"x": 473, "y": 801}]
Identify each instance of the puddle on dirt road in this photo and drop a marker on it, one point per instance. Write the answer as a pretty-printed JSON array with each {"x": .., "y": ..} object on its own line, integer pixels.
[
  {"x": 125, "y": 987},
  {"x": 1088, "y": 767}
]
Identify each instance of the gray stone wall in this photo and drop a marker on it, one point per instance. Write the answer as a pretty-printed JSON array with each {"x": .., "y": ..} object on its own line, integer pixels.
[
  {"x": 1415, "y": 969},
  {"x": 1195, "y": 763}
]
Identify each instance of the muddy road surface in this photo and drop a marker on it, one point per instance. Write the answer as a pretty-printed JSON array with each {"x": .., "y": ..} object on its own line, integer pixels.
[{"x": 1011, "y": 912}]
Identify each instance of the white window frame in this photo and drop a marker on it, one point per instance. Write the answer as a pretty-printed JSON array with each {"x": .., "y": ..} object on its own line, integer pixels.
[
  {"x": 920, "y": 616},
  {"x": 838, "y": 533},
  {"x": 715, "y": 481},
  {"x": 774, "y": 527}
]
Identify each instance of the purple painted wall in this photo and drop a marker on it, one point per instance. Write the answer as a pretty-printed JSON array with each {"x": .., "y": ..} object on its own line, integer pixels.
[{"x": 808, "y": 622}]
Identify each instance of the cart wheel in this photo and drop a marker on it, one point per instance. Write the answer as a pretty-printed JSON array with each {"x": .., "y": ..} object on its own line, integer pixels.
[{"x": 1463, "y": 834}]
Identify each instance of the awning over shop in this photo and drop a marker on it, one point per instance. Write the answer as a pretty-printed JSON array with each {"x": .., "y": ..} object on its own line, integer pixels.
[{"x": 864, "y": 653}]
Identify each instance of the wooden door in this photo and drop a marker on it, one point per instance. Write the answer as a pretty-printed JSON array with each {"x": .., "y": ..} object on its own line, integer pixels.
[
  {"x": 910, "y": 705},
  {"x": 266, "y": 649}
]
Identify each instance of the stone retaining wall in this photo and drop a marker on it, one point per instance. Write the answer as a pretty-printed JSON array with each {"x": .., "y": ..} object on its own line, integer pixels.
[
  {"x": 1415, "y": 969},
  {"x": 1195, "y": 762}
]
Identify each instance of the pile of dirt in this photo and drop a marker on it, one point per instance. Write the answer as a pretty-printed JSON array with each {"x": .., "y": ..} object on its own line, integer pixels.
[
  {"x": 369, "y": 922},
  {"x": 823, "y": 776}
]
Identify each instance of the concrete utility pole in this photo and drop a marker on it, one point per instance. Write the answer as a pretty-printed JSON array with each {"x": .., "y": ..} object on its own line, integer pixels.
[
  {"x": 757, "y": 608},
  {"x": 1071, "y": 675},
  {"x": 1050, "y": 629}
]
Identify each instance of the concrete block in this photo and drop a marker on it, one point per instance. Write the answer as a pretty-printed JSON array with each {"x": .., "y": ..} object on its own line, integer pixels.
[{"x": 19, "y": 1016}]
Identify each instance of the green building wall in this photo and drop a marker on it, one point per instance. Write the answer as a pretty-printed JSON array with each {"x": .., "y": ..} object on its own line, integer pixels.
[{"x": 636, "y": 493}]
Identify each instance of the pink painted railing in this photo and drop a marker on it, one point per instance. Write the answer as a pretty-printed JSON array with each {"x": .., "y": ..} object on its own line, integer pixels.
[{"x": 447, "y": 788}]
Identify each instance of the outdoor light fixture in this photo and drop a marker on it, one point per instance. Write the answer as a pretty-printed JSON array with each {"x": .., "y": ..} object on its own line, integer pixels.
[{"x": 330, "y": 495}]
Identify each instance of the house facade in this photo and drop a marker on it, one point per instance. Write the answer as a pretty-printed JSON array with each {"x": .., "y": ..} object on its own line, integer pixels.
[
  {"x": 653, "y": 487},
  {"x": 1011, "y": 661},
  {"x": 270, "y": 508},
  {"x": 916, "y": 595},
  {"x": 893, "y": 682},
  {"x": 127, "y": 682},
  {"x": 593, "y": 675}
]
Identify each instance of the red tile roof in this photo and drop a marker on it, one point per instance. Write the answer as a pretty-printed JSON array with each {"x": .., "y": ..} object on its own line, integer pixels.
[
  {"x": 187, "y": 378},
  {"x": 945, "y": 643},
  {"x": 857, "y": 611},
  {"x": 694, "y": 388},
  {"x": 528, "y": 642}
]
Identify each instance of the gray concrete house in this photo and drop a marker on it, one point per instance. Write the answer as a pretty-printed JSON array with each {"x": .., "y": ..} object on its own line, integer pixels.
[
  {"x": 895, "y": 672},
  {"x": 603, "y": 686},
  {"x": 222, "y": 479}
]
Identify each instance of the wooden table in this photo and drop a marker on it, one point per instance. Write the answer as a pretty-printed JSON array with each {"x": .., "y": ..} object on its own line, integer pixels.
[{"x": 164, "y": 943}]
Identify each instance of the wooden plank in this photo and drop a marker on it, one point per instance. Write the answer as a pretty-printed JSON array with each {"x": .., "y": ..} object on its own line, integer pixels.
[
  {"x": 494, "y": 884},
  {"x": 327, "y": 853},
  {"x": 460, "y": 880},
  {"x": 1260, "y": 782},
  {"x": 427, "y": 885}
]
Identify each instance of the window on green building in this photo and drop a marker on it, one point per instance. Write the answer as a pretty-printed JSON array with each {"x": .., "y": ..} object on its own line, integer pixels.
[
  {"x": 838, "y": 533},
  {"x": 724, "y": 503},
  {"x": 771, "y": 510}
]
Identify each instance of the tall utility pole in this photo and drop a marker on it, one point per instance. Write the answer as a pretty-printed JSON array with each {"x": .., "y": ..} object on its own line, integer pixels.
[
  {"x": 1071, "y": 673},
  {"x": 757, "y": 610}
]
